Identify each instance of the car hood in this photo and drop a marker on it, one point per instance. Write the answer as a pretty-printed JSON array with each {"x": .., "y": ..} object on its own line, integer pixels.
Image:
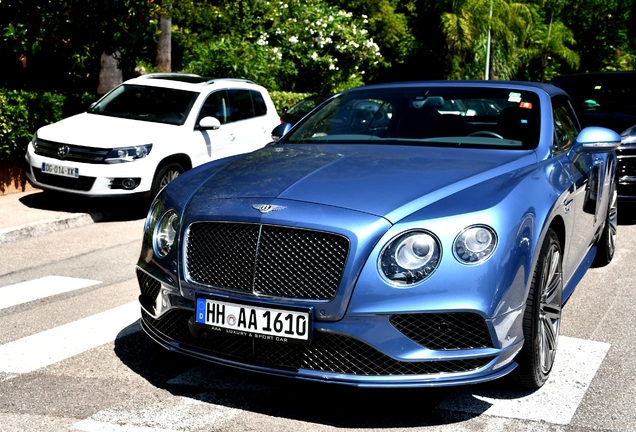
[
  {"x": 94, "y": 130},
  {"x": 387, "y": 181}
]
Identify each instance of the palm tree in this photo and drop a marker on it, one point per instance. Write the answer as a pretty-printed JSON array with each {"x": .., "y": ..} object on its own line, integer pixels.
[
  {"x": 470, "y": 21},
  {"x": 548, "y": 42}
]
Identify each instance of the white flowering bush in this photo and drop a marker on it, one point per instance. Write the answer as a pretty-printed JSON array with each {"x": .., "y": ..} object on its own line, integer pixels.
[
  {"x": 284, "y": 44},
  {"x": 330, "y": 49}
]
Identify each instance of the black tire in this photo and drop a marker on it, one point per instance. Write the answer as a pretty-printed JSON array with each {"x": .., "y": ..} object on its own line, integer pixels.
[
  {"x": 164, "y": 176},
  {"x": 606, "y": 245},
  {"x": 542, "y": 317}
]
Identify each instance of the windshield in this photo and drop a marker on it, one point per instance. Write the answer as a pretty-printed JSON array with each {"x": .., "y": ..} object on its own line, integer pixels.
[
  {"x": 153, "y": 104},
  {"x": 439, "y": 116}
]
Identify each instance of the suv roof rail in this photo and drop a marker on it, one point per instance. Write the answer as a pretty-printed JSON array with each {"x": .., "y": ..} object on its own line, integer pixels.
[{"x": 212, "y": 81}]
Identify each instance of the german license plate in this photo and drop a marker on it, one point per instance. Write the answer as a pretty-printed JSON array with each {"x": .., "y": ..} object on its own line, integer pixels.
[
  {"x": 60, "y": 170},
  {"x": 281, "y": 325}
]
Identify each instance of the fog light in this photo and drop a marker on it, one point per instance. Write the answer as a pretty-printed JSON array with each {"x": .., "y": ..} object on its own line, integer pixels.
[{"x": 129, "y": 183}]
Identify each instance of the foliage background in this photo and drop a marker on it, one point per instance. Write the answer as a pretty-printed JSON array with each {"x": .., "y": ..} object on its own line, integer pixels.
[{"x": 50, "y": 51}]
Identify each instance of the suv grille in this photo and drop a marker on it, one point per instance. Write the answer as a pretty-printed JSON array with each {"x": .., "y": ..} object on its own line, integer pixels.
[
  {"x": 266, "y": 260},
  {"x": 444, "y": 331},
  {"x": 328, "y": 352},
  {"x": 75, "y": 154}
]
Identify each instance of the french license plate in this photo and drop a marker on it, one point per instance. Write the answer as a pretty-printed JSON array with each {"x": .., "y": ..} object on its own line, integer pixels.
[
  {"x": 60, "y": 170},
  {"x": 281, "y": 325}
]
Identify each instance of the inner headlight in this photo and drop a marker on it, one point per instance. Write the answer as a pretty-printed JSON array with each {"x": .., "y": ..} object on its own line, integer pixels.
[
  {"x": 128, "y": 154},
  {"x": 165, "y": 233},
  {"x": 410, "y": 258},
  {"x": 475, "y": 244}
]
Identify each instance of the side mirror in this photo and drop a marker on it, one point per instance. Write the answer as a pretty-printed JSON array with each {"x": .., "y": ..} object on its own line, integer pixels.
[
  {"x": 596, "y": 139},
  {"x": 209, "y": 123},
  {"x": 280, "y": 131}
]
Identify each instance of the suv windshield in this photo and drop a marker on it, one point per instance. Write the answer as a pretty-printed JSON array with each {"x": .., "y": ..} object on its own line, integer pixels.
[
  {"x": 439, "y": 116},
  {"x": 148, "y": 103}
]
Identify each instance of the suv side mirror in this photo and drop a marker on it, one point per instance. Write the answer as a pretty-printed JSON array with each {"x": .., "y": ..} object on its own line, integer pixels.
[{"x": 209, "y": 123}]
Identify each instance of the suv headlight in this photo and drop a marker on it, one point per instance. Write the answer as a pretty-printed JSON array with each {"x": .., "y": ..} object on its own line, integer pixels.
[
  {"x": 128, "y": 154},
  {"x": 410, "y": 258}
]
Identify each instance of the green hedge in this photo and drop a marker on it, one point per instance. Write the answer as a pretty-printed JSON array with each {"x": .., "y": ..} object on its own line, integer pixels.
[{"x": 22, "y": 113}]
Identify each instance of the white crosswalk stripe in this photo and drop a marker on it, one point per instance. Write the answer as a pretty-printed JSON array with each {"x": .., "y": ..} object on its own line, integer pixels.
[
  {"x": 43, "y": 349},
  {"x": 556, "y": 402},
  {"x": 24, "y": 292}
]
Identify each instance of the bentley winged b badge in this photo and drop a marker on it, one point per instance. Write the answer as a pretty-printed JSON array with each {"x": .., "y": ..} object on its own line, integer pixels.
[{"x": 267, "y": 208}]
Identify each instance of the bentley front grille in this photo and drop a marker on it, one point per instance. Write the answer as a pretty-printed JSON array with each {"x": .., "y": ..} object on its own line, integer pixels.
[{"x": 266, "y": 259}]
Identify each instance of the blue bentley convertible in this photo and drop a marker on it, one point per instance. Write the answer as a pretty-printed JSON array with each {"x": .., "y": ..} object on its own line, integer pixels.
[{"x": 400, "y": 235}]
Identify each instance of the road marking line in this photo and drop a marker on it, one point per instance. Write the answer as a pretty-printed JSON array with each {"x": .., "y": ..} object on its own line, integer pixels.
[
  {"x": 89, "y": 425},
  {"x": 178, "y": 412},
  {"x": 556, "y": 402},
  {"x": 51, "y": 346},
  {"x": 36, "y": 289}
]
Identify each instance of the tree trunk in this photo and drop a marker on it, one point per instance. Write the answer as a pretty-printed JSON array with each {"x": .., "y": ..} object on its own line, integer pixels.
[
  {"x": 163, "y": 62},
  {"x": 110, "y": 75}
]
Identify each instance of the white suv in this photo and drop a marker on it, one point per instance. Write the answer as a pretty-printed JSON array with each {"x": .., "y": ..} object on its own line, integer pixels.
[{"x": 147, "y": 131}]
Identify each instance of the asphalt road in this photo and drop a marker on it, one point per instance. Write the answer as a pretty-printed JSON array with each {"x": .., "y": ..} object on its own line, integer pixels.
[{"x": 73, "y": 357}]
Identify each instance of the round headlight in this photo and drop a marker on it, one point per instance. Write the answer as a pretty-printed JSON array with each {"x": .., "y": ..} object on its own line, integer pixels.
[
  {"x": 165, "y": 233},
  {"x": 410, "y": 258},
  {"x": 475, "y": 244}
]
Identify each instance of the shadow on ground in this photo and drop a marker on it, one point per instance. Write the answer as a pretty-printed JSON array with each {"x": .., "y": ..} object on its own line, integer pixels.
[
  {"x": 327, "y": 404},
  {"x": 102, "y": 209}
]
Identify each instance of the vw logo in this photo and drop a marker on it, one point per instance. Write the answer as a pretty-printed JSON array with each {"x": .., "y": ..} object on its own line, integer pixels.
[
  {"x": 266, "y": 208},
  {"x": 63, "y": 151}
]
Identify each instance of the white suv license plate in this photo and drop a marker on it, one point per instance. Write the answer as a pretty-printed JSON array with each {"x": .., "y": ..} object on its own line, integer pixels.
[
  {"x": 281, "y": 325},
  {"x": 60, "y": 170}
]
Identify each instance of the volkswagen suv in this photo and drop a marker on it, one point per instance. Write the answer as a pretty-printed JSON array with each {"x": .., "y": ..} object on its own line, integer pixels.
[{"x": 147, "y": 131}]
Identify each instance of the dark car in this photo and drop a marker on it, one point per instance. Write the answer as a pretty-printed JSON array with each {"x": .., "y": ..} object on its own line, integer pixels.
[
  {"x": 302, "y": 108},
  {"x": 608, "y": 99},
  {"x": 384, "y": 241}
]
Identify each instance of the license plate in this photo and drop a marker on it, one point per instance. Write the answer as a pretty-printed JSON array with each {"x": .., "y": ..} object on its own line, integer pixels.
[
  {"x": 281, "y": 325},
  {"x": 60, "y": 170}
]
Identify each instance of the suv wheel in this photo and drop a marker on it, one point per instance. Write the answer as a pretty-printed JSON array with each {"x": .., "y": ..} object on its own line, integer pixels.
[{"x": 164, "y": 176}]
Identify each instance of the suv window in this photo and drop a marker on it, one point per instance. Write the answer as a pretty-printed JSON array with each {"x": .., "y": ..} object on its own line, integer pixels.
[
  {"x": 259, "y": 103},
  {"x": 242, "y": 107},
  {"x": 216, "y": 105},
  {"x": 147, "y": 103}
]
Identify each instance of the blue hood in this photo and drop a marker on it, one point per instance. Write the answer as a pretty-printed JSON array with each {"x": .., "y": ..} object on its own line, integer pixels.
[{"x": 386, "y": 181}]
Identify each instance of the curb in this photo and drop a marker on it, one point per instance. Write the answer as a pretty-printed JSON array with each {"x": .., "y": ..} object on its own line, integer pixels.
[{"x": 46, "y": 226}]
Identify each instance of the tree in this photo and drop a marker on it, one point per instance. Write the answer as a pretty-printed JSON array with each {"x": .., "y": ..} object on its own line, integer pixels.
[
  {"x": 295, "y": 45},
  {"x": 65, "y": 41},
  {"x": 550, "y": 42}
]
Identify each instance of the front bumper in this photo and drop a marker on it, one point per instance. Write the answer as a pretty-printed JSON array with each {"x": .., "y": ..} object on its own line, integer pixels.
[
  {"x": 95, "y": 180},
  {"x": 363, "y": 351}
]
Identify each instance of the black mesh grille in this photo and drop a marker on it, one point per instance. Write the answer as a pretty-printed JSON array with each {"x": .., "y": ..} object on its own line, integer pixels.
[
  {"x": 264, "y": 259},
  {"x": 328, "y": 352},
  {"x": 76, "y": 153},
  {"x": 444, "y": 331},
  {"x": 149, "y": 286},
  {"x": 83, "y": 183}
]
